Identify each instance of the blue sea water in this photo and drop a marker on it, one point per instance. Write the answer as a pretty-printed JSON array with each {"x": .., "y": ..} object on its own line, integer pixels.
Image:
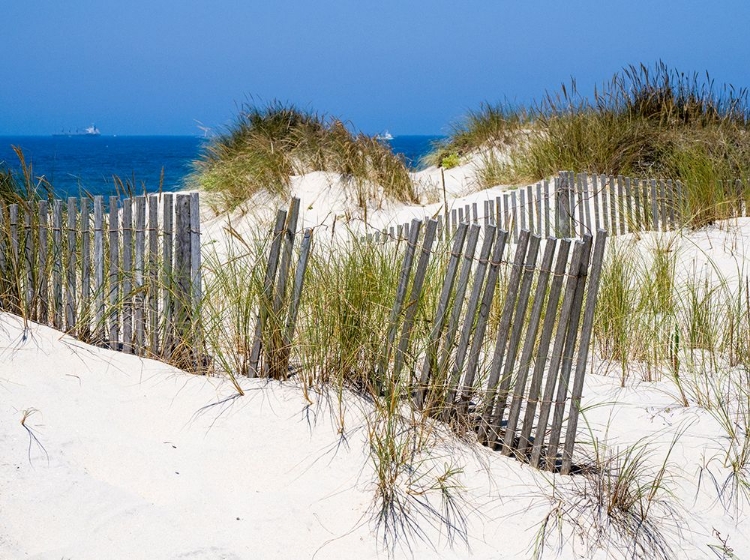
[{"x": 80, "y": 164}]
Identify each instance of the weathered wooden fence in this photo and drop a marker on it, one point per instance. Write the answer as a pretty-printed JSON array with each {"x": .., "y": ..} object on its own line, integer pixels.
[
  {"x": 127, "y": 277},
  {"x": 573, "y": 204},
  {"x": 524, "y": 396}
]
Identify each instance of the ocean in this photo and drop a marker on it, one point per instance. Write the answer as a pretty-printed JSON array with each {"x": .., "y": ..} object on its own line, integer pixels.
[{"x": 77, "y": 165}]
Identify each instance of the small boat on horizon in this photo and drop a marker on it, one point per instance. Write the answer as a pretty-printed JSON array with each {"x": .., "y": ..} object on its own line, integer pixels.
[
  {"x": 88, "y": 131},
  {"x": 384, "y": 136}
]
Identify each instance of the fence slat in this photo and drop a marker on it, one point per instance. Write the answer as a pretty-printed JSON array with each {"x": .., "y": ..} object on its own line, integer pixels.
[
  {"x": 127, "y": 276},
  {"x": 568, "y": 351},
  {"x": 484, "y": 314},
  {"x": 414, "y": 296},
  {"x": 267, "y": 295},
  {"x": 153, "y": 275},
  {"x": 29, "y": 262},
  {"x": 70, "y": 266},
  {"x": 115, "y": 278},
  {"x": 299, "y": 279},
  {"x": 528, "y": 348},
  {"x": 441, "y": 314},
  {"x": 84, "y": 327},
  {"x": 503, "y": 333},
  {"x": 497, "y": 411},
  {"x": 98, "y": 266},
  {"x": 140, "y": 260},
  {"x": 557, "y": 353},
  {"x": 57, "y": 263},
  {"x": 167, "y": 273},
  {"x": 470, "y": 313},
  {"x": 42, "y": 281},
  {"x": 588, "y": 325},
  {"x": 15, "y": 264}
]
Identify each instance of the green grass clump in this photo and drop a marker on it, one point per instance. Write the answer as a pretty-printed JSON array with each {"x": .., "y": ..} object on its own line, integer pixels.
[
  {"x": 644, "y": 122},
  {"x": 267, "y": 144}
]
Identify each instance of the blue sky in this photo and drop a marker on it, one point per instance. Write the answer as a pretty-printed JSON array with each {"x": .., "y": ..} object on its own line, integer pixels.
[{"x": 168, "y": 66}]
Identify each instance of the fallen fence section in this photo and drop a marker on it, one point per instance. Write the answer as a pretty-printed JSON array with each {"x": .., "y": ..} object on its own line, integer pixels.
[
  {"x": 127, "y": 278},
  {"x": 517, "y": 379}
]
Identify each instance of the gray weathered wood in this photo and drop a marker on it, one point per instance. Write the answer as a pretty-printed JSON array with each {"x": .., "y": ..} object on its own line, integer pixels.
[
  {"x": 581, "y": 201},
  {"x": 84, "y": 327},
  {"x": 114, "y": 277},
  {"x": 566, "y": 364},
  {"x": 266, "y": 298},
  {"x": 4, "y": 269},
  {"x": 586, "y": 330},
  {"x": 139, "y": 280},
  {"x": 15, "y": 263},
  {"x": 42, "y": 281},
  {"x": 562, "y": 206},
  {"x": 496, "y": 412},
  {"x": 530, "y": 206},
  {"x": 557, "y": 353},
  {"x": 412, "y": 303},
  {"x": 299, "y": 278},
  {"x": 458, "y": 301},
  {"x": 503, "y": 333},
  {"x": 470, "y": 314},
  {"x": 514, "y": 219},
  {"x": 167, "y": 273},
  {"x": 605, "y": 203},
  {"x": 637, "y": 205},
  {"x": 441, "y": 315},
  {"x": 70, "y": 267},
  {"x": 30, "y": 268},
  {"x": 547, "y": 227},
  {"x": 57, "y": 265},
  {"x": 525, "y": 360},
  {"x": 483, "y": 314},
  {"x": 539, "y": 202},
  {"x": 550, "y": 319},
  {"x": 153, "y": 275},
  {"x": 629, "y": 204},
  {"x": 595, "y": 195},
  {"x": 287, "y": 246},
  {"x": 127, "y": 276},
  {"x": 654, "y": 207},
  {"x": 98, "y": 270},
  {"x": 664, "y": 226},
  {"x": 522, "y": 210},
  {"x": 621, "y": 203},
  {"x": 587, "y": 202},
  {"x": 613, "y": 209},
  {"x": 670, "y": 203}
]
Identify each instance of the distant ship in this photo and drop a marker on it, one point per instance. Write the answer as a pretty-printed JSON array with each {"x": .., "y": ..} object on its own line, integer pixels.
[
  {"x": 88, "y": 131},
  {"x": 384, "y": 136}
]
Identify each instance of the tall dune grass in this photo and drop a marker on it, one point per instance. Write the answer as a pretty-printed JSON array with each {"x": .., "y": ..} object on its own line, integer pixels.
[{"x": 267, "y": 144}]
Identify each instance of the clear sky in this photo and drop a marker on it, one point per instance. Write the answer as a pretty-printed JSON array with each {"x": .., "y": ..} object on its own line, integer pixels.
[{"x": 168, "y": 66}]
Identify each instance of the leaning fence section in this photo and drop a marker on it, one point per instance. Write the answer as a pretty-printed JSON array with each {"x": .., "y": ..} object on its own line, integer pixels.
[
  {"x": 508, "y": 346},
  {"x": 574, "y": 204},
  {"x": 120, "y": 273}
]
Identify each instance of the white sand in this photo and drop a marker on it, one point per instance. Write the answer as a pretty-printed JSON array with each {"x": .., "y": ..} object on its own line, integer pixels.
[{"x": 121, "y": 457}]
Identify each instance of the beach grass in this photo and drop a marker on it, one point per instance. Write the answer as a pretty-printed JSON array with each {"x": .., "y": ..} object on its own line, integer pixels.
[{"x": 267, "y": 144}]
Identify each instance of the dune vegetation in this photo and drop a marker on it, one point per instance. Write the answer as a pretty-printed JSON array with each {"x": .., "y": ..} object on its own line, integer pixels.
[
  {"x": 267, "y": 144},
  {"x": 644, "y": 122}
]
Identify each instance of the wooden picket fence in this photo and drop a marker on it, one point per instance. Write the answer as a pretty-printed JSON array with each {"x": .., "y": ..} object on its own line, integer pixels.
[
  {"x": 127, "y": 278},
  {"x": 573, "y": 204},
  {"x": 527, "y": 402}
]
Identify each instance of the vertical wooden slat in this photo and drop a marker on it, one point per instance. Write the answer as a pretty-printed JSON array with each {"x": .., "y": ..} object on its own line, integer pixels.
[
  {"x": 514, "y": 218},
  {"x": 662, "y": 207},
  {"x": 550, "y": 318},
  {"x": 140, "y": 252},
  {"x": 582, "y": 227},
  {"x": 458, "y": 300},
  {"x": 557, "y": 353},
  {"x": 562, "y": 198},
  {"x": 547, "y": 228},
  {"x": 153, "y": 275},
  {"x": 299, "y": 279},
  {"x": 115, "y": 278},
  {"x": 42, "y": 281},
  {"x": 581, "y": 362},
  {"x": 30, "y": 260},
  {"x": 15, "y": 263},
  {"x": 629, "y": 204},
  {"x": 566, "y": 364},
  {"x": 4, "y": 270},
  {"x": 167, "y": 273},
  {"x": 57, "y": 265},
  {"x": 84, "y": 327},
  {"x": 484, "y": 313},
  {"x": 266, "y": 299},
  {"x": 530, "y": 206},
  {"x": 98, "y": 264},
  {"x": 654, "y": 207},
  {"x": 471, "y": 309},
  {"x": 528, "y": 348},
  {"x": 503, "y": 333},
  {"x": 127, "y": 276},
  {"x": 605, "y": 203},
  {"x": 595, "y": 196},
  {"x": 495, "y": 413},
  {"x": 70, "y": 266},
  {"x": 415, "y": 294},
  {"x": 621, "y": 203},
  {"x": 441, "y": 315},
  {"x": 670, "y": 203},
  {"x": 587, "y": 202},
  {"x": 522, "y": 210},
  {"x": 539, "y": 202},
  {"x": 613, "y": 204}
]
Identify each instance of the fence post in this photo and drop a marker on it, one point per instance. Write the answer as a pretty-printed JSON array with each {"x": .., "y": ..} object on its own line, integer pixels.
[
  {"x": 562, "y": 199},
  {"x": 98, "y": 270},
  {"x": 70, "y": 264},
  {"x": 42, "y": 281},
  {"x": 167, "y": 274},
  {"x": 113, "y": 338},
  {"x": 29, "y": 262}
]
